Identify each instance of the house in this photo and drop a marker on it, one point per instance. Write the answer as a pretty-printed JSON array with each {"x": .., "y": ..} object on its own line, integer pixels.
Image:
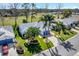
[
  {"x": 6, "y": 35},
  {"x": 23, "y": 28},
  {"x": 69, "y": 22},
  {"x": 7, "y": 40}
]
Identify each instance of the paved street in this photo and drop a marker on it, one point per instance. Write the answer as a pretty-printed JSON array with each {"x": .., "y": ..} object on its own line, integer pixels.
[{"x": 63, "y": 51}]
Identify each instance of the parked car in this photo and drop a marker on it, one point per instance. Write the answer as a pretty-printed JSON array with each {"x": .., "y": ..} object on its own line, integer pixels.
[{"x": 5, "y": 49}]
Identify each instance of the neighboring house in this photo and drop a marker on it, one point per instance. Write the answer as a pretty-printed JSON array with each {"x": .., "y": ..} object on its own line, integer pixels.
[
  {"x": 6, "y": 35},
  {"x": 7, "y": 38},
  {"x": 23, "y": 27},
  {"x": 69, "y": 22}
]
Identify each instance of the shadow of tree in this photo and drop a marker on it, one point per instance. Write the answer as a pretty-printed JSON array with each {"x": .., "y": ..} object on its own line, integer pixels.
[
  {"x": 68, "y": 46},
  {"x": 55, "y": 52},
  {"x": 52, "y": 52},
  {"x": 33, "y": 48},
  {"x": 44, "y": 54}
]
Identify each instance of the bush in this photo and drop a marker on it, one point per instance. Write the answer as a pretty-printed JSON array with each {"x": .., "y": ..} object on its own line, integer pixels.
[
  {"x": 20, "y": 50},
  {"x": 25, "y": 21}
]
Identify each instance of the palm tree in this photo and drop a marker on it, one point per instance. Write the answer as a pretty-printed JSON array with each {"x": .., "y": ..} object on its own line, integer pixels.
[
  {"x": 26, "y": 7},
  {"x": 60, "y": 26},
  {"x": 32, "y": 32},
  {"x": 59, "y": 6},
  {"x": 14, "y": 11},
  {"x": 2, "y": 17},
  {"x": 2, "y": 13},
  {"x": 47, "y": 19},
  {"x": 46, "y": 7},
  {"x": 33, "y": 11}
]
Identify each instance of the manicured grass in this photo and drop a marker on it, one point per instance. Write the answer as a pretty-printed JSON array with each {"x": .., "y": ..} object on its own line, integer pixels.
[
  {"x": 11, "y": 21},
  {"x": 64, "y": 37},
  {"x": 21, "y": 43},
  {"x": 42, "y": 45}
]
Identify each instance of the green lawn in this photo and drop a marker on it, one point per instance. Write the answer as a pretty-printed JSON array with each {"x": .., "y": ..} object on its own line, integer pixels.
[
  {"x": 42, "y": 45},
  {"x": 64, "y": 37},
  {"x": 11, "y": 21}
]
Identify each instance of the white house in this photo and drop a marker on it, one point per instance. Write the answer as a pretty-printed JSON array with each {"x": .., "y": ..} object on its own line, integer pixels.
[{"x": 23, "y": 27}]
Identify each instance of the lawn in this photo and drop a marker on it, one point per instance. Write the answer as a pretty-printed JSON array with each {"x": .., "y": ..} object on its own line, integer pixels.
[
  {"x": 64, "y": 37},
  {"x": 28, "y": 51},
  {"x": 43, "y": 44},
  {"x": 11, "y": 21}
]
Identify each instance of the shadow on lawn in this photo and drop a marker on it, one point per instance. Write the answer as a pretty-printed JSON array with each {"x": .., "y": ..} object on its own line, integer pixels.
[
  {"x": 33, "y": 48},
  {"x": 68, "y": 46}
]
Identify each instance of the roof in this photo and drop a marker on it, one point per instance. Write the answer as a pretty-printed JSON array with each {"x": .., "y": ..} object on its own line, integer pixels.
[
  {"x": 25, "y": 26},
  {"x": 8, "y": 28},
  {"x": 6, "y": 34},
  {"x": 68, "y": 21}
]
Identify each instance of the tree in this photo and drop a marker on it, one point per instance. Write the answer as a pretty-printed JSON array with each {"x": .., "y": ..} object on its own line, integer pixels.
[
  {"x": 67, "y": 12},
  {"x": 33, "y": 11},
  {"x": 32, "y": 32},
  {"x": 26, "y": 7},
  {"x": 14, "y": 10},
  {"x": 46, "y": 7},
  {"x": 47, "y": 19},
  {"x": 2, "y": 13},
  {"x": 59, "y": 26},
  {"x": 59, "y": 6}
]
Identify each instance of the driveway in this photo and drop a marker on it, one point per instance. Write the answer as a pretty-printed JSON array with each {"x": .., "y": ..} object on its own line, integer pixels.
[{"x": 63, "y": 49}]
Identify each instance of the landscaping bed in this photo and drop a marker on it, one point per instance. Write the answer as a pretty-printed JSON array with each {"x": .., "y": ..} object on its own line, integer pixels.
[{"x": 64, "y": 37}]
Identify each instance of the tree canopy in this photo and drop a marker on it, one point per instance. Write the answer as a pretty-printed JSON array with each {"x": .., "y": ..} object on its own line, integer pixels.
[
  {"x": 67, "y": 12},
  {"x": 32, "y": 32}
]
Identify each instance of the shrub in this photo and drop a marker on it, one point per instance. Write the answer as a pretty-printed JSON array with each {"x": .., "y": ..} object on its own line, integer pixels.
[{"x": 25, "y": 21}]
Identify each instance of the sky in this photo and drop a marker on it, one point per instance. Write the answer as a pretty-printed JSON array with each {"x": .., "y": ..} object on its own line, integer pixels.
[
  {"x": 50, "y": 5},
  {"x": 64, "y": 5}
]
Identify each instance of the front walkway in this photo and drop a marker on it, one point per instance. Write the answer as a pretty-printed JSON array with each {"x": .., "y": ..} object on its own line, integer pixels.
[{"x": 62, "y": 50}]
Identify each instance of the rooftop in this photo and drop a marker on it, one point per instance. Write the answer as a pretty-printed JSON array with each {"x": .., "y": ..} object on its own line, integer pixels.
[
  {"x": 68, "y": 21},
  {"x": 6, "y": 33},
  {"x": 25, "y": 26}
]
